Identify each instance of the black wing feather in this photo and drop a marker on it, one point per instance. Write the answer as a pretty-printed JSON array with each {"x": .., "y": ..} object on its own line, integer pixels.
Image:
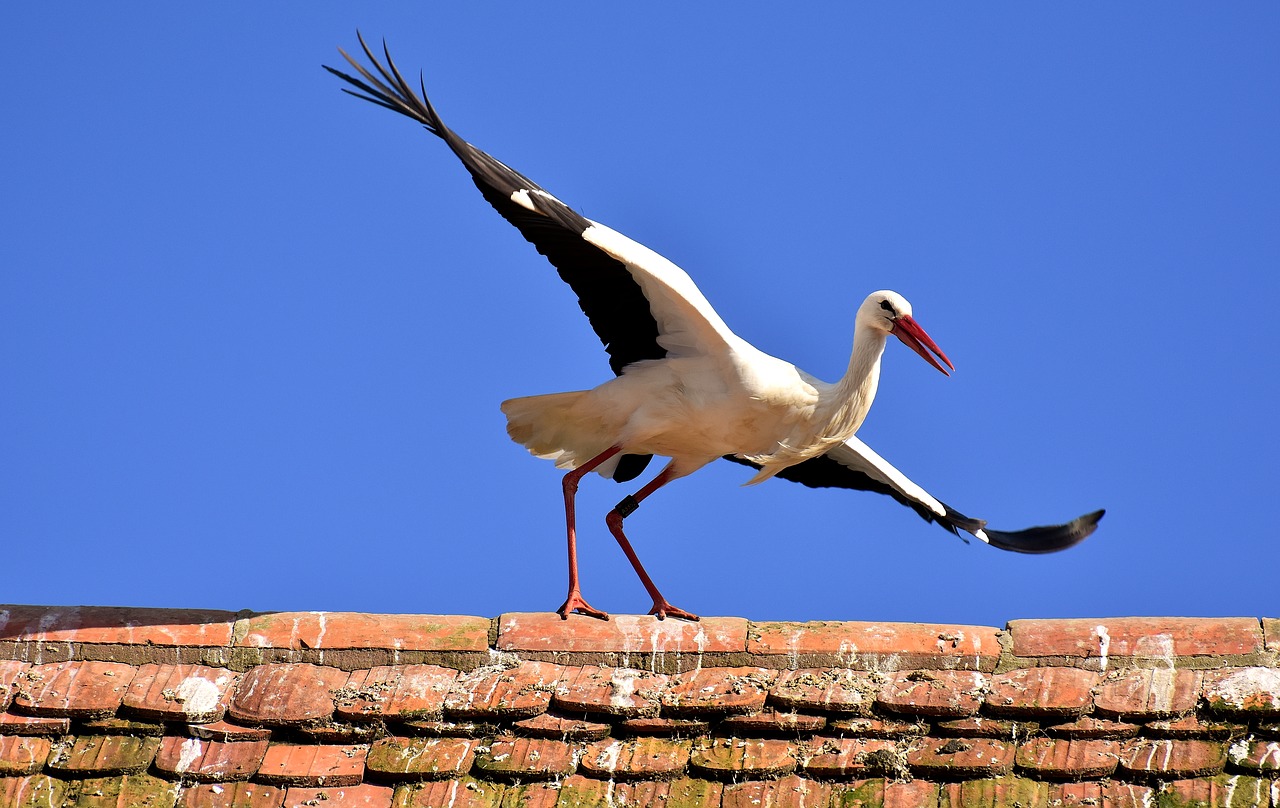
[{"x": 607, "y": 294}]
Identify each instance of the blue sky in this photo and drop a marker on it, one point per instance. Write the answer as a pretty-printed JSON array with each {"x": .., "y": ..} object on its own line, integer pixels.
[{"x": 254, "y": 333}]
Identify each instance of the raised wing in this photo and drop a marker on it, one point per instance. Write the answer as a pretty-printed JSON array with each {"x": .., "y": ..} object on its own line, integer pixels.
[
  {"x": 854, "y": 465},
  {"x": 641, "y": 305}
]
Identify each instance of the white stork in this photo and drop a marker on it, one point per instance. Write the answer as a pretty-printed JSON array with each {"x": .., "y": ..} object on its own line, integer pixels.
[{"x": 686, "y": 387}]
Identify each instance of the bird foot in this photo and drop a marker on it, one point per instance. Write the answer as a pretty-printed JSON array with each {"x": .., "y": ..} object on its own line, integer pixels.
[
  {"x": 663, "y": 609},
  {"x": 575, "y": 603}
]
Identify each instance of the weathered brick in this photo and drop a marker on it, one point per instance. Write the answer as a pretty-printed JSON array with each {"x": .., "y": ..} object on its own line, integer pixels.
[
  {"x": 347, "y": 630},
  {"x": 132, "y": 790},
  {"x": 31, "y": 725},
  {"x": 74, "y": 689},
  {"x": 787, "y": 792},
  {"x": 420, "y": 758},
  {"x": 1042, "y": 692},
  {"x": 882, "y": 793},
  {"x": 1153, "y": 638},
  {"x": 10, "y": 671},
  {"x": 849, "y": 758},
  {"x": 119, "y": 726},
  {"x": 944, "y": 693},
  {"x": 1259, "y": 757},
  {"x": 233, "y": 795},
  {"x": 566, "y": 729},
  {"x": 1090, "y": 727},
  {"x": 675, "y": 727},
  {"x": 1065, "y": 759},
  {"x": 1223, "y": 791},
  {"x": 646, "y": 758},
  {"x": 22, "y": 756},
  {"x": 313, "y": 766},
  {"x": 736, "y": 758},
  {"x": 104, "y": 755},
  {"x": 532, "y": 795},
  {"x": 610, "y": 691},
  {"x": 621, "y": 634},
  {"x": 1244, "y": 692},
  {"x": 528, "y": 759},
  {"x": 954, "y": 758},
  {"x": 366, "y": 795},
  {"x": 227, "y": 731},
  {"x": 1109, "y": 794},
  {"x": 1170, "y": 759},
  {"x": 195, "y": 694},
  {"x": 286, "y": 694},
  {"x": 877, "y": 646},
  {"x": 447, "y": 729},
  {"x": 977, "y": 726},
  {"x": 829, "y": 690},
  {"x": 771, "y": 722},
  {"x": 717, "y": 692},
  {"x": 877, "y": 727},
  {"x": 1150, "y": 694},
  {"x": 34, "y": 791},
  {"x": 520, "y": 692},
  {"x": 1191, "y": 726},
  {"x": 209, "y": 761},
  {"x": 395, "y": 692},
  {"x": 110, "y": 625}
]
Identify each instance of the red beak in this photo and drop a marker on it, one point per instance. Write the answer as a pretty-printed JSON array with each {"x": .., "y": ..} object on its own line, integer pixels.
[{"x": 913, "y": 336}]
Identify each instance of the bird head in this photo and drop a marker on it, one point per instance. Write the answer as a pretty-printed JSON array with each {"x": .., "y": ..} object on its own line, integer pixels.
[{"x": 890, "y": 313}]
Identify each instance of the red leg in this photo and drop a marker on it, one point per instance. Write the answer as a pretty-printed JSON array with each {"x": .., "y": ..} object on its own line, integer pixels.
[
  {"x": 575, "y": 602},
  {"x": 662, "y": 608}
]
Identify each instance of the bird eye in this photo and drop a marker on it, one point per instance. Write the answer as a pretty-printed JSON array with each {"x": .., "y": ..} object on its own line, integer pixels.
[{"x": 887, "y": 306}]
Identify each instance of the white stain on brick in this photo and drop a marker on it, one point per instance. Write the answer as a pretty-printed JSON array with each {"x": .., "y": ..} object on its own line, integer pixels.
[
  {"x": 1248, "y": 687},
  {"x": 1104, "y": 645},
  {"x": 191, "y": 751}
]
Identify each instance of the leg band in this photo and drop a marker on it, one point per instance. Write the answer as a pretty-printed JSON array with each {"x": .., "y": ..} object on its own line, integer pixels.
[{"x": 627, "y": 506}]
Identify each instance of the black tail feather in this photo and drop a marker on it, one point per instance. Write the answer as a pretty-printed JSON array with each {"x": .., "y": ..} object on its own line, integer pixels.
[{"x": 1047, "y": 539}]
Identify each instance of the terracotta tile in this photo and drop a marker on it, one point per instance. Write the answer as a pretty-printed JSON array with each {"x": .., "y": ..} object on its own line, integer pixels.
[
  {"x": 195, "y": 694},
  {"x": 30, "y": 725},
  {"x": 104, "y": 755},
  {"x": 771, "y": 722},
  {"x": 119, "y": 726},
  {"x": 448, "y": 729},
  {"x": 420, "y": 758},
  {"x": 10, "y": 670},
  {"x": 1191, "y": 726},
  {"x": 528, "y": 759},
  {"x": 885, "y": 794},
  {"x": 286, "y": 694},
  {"x": 368, "y": 795},
  {"x": 1243, "y": 692},
  {"x": 209, "y": 761},
  {"x": 953, "y": 758},
  {"x": 520, "y": 692},
  {"x": 1112, "y": 794},
  {"x": 586, "y": 792},
  {"x": 34, "y": 791},
  {"x": 646, "y": 758},
  {"x": 621, "y": 633},
  {"x": 876, "y": 727},
  {"x": 829, "y": 690},
  {"x": 117, "y": 625},
  {"x": 465, "y": 792},
  {"x": 131, "y": 790},
  {"x": 610, "y": 691},
  {"x": 1163, "y": 638},
  {"x": 737, "y": 758},
  {"x": 1170, "y": 759},
  {"x": 343, "y": 630},
  {"x": 313, "y": 766},
  {"x": 562, "y": 727},
  {"x": 1042, "y": 692},
  {"x": 337, "y": 732},
  {"x": 402, "y": 691},
  {"x": 76, "y": 689},
  {"x": 717, "y": 692},
  {"x": 949, "y": 694},
  {"x": 532, "y": 795},
  {"x": 1090, "y": 727},
  {"x": 1065, "y": 759},
  {"x": 1001, "y": 792},
  {"x": 233, "y": 795},
  {"x": 227, "y": 731},
  {"x": 1146, "y": 695},
  {"x": 1223, "y": 791},
  {"x": 850, "y": 758},
  {"x": 1256, "y": 757},
  {"x": 22, "y": 756},
  {"x": 876, "y": 646},
  {"x": 787, "y": 792},
  {"x": 675, "y": 727},
  {"x": 976, "y": 726}
]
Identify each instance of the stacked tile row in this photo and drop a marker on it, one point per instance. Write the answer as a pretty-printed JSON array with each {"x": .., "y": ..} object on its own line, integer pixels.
[{"x": 968, "y": 722}]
